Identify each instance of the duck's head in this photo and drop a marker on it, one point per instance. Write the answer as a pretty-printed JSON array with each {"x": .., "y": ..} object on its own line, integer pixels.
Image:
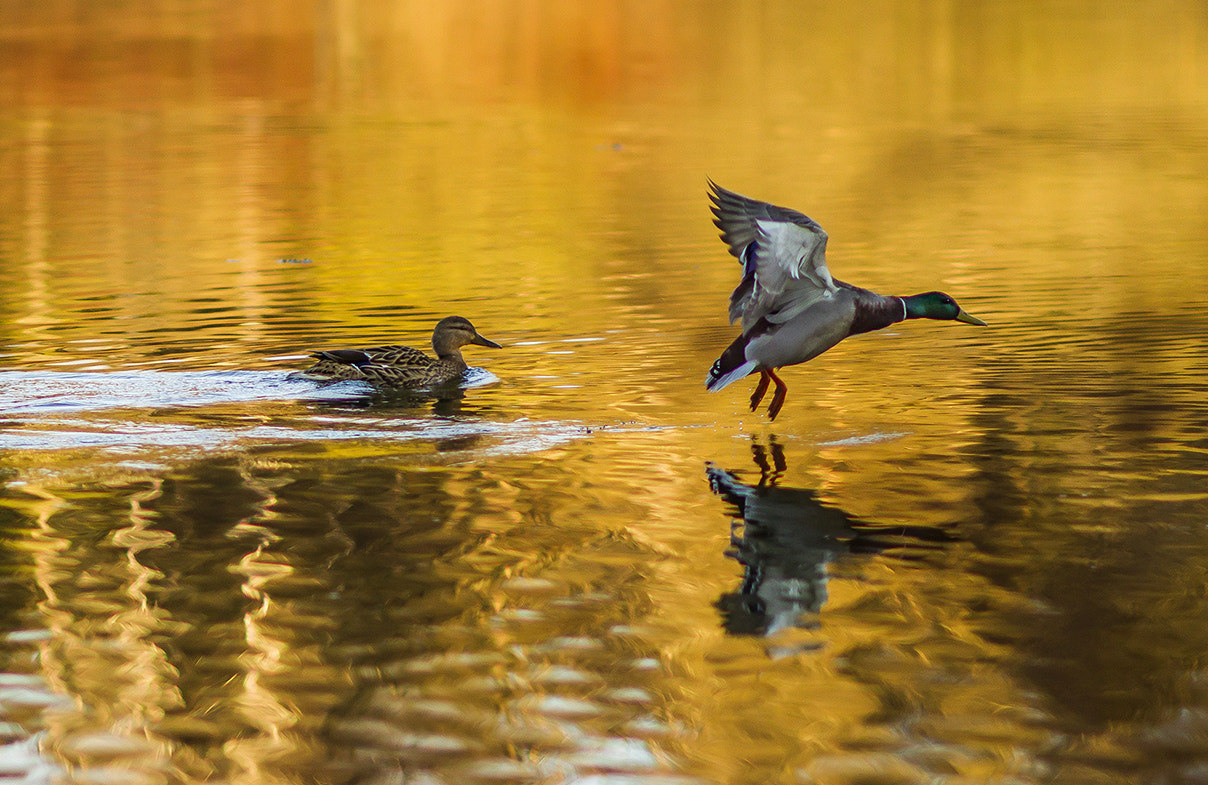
[
  {"x": 454, "y": 332},
  {"x": 937, "y": 305}
]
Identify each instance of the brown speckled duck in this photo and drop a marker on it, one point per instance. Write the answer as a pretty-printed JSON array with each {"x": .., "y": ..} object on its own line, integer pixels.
[
  {"x": 402, "y": 367},
  {"x": 792, "y": 310}
]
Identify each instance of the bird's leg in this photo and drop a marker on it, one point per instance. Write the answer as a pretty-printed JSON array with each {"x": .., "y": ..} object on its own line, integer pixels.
[
  {"x": 778, "y": 397},
  {"x": 760, "y": 389}
]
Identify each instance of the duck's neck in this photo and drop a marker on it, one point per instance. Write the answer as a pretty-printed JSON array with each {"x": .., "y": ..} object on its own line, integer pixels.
[
  {"x": 452, "y": 356},
  {"x": 447, "y": 351},
  {"x": 876, "y": 311}
]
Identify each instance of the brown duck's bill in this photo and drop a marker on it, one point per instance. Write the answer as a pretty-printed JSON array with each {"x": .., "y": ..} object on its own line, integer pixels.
[
  {"x": 478, "y": 339},
  {"x": 961, "y": 316}
]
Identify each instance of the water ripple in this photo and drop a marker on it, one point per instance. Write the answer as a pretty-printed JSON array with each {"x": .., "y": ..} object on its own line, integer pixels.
[{"x": 56, "y": 392}]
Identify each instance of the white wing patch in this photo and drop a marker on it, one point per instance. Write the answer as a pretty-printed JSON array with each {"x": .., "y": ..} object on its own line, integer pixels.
[{"x": 797, "y": 251}]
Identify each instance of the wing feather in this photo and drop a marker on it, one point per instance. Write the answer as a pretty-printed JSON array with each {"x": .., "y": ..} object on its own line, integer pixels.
[{"x": 783, "y": 255}]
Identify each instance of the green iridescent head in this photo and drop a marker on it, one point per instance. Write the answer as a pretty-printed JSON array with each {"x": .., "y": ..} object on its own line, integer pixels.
[{"x": 937, "y": 305}]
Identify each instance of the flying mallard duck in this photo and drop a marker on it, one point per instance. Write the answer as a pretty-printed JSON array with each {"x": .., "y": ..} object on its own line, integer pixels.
[
  {"x": 402, "y": 366},
  {"x": 792, "y": 310}
]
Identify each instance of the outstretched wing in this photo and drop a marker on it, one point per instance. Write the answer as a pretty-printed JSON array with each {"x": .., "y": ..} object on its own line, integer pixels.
[{"x": 783, "y": 255}]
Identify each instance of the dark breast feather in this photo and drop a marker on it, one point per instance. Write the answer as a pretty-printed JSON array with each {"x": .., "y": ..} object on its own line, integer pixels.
[{"x": 873, "y": 311}]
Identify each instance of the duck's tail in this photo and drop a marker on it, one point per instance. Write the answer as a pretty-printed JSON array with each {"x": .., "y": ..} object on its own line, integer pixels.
[{"x": 731, "y": 366}]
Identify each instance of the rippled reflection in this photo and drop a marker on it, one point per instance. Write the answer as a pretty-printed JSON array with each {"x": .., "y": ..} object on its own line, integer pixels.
[
  {"x": 785, "y": 538},
  {"x": 249, "y": 620}
]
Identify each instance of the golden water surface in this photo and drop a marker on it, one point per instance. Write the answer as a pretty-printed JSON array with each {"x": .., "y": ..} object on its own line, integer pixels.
[{"x": 960, "y": 555}]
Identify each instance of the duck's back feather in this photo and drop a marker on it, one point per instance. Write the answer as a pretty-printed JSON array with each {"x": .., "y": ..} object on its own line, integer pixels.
[
  {"x": 394, "y": 366},
  {"x": 398, "y": 355}
]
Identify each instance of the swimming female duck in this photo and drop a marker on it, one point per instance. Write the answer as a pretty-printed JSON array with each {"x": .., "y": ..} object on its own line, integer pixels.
[
  {"x": 792, "y": 310},
  {"x": 401, "y": 366}
]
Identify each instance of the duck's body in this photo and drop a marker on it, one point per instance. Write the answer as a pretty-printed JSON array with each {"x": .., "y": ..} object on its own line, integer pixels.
[
  {"x": 792, "y": 310},
  {"x": 402, "y": 367}
]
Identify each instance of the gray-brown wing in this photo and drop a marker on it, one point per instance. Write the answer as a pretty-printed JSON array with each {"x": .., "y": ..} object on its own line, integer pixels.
[
  {"x": 783, "y": 255},
  {"x": 398, "y": 355},
  {"x": 398, "y": 366},
  {"x": 393, "y": 365}
]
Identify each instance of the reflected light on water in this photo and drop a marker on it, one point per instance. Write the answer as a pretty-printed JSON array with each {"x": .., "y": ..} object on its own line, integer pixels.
[{"x": 967, "y": 556}]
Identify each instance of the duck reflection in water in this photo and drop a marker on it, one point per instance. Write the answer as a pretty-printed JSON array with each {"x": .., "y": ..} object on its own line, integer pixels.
[
  {"x": 447, "y": 401},
  {"x": 785, "y": 538}
]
